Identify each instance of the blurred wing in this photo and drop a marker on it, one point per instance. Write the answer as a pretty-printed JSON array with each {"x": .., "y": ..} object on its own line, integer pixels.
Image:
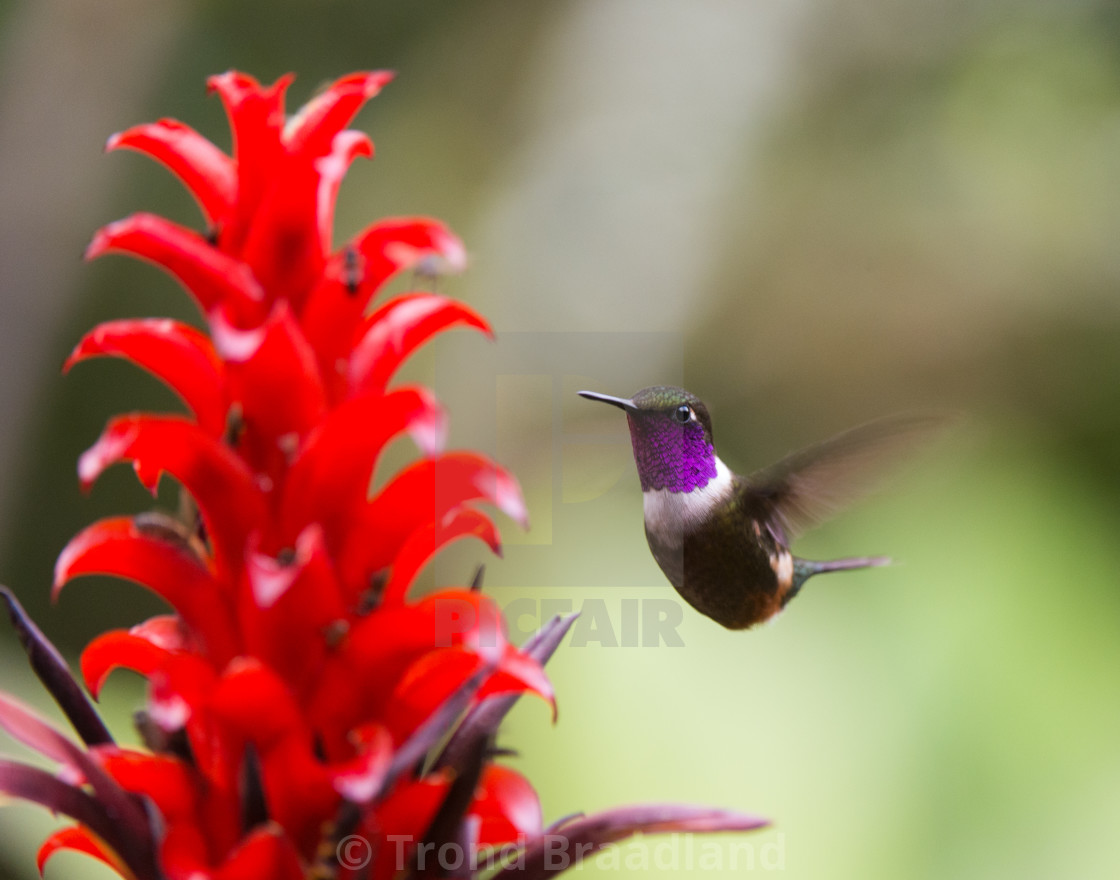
[{"x": 807, "y": 487}]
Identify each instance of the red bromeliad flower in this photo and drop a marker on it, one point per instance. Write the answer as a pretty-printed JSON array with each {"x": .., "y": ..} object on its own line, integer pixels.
[{"x": 299, "y": 698}]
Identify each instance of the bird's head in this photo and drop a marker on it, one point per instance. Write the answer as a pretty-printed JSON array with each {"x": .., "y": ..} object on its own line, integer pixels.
[{"x": 671, "y": 433}]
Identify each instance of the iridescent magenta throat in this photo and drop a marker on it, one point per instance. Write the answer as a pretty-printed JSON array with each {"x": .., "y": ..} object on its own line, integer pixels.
[{"x": 669, "y": 456}]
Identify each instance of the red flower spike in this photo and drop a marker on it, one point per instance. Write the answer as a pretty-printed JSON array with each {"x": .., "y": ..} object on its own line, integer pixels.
[
  {"x": 397, "y": 329},
  {"x": 219, "y": 481},
  {"x": 295, "y": 695},
  {"x": 429, "y": 539},
  {"x": 78, "y": 839},
  {"x": 121, "y": 548},
  {"x": 177, "y": 353},
  {"x": 209, "y": 174},
  {"x": 210, "y": 276}
]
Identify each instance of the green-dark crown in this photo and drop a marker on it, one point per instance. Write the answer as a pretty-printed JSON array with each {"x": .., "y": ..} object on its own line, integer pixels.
[{"x": 667, "y": 400}]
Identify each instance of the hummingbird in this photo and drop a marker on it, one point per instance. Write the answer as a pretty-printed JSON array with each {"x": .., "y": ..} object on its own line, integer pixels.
[{"x": 723, "y": 540}]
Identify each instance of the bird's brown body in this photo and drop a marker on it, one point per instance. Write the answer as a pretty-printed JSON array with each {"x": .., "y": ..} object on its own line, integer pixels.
[{"x": 730, "y": 566}]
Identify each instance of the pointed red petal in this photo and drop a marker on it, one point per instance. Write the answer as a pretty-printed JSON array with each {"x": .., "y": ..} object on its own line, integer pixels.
[
  {"x": 360, "y": 674},
  {"x": 296, "y": 602},
  {"x": 253, "y": 700},
  {"x": 209, "y": 174},
  {"x": 255, "y": 705},
  {"x": 266, "y": 853},
  {"x": 427, "y": 683},
  {"x": 420, "y": 494},
  {"x": 331, "y": 475},
  {"x": 177, "y": 353},
  {"x": 347, "y": 146},
  {"x": 256, "y": 115},
  {"x": 334, "y": 310},
  {"x": 274, "y": 377},
  {"x": 79, "y": 839},
  {"x": 428, "y": 540},
  {"x": 231, "y": 504},
  {"x": 482, "y": 721},
  {"x": 168, "y": 781},
  {"x": 506, "y": 806},
  {"x": 209, "y": 275},
  {"x": 437, "y": 674},
  {"x": 179, "y": 696},
  {"x": 397, "y": 824},
  {"x": 282, "y": 244},
  {"x": 397, "y": 329},
  {"x": 116, "y": 649},
  {"x": 144, "y": 648},
  {"x": 359, "y": 779},
  {"x": 312, "y": 130},
  {"x": 517, "y": 673},
  {"x": 121, "y": 548}
]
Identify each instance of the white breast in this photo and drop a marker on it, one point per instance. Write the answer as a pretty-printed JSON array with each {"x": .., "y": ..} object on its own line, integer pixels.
[{"x": 671, "y": 514}]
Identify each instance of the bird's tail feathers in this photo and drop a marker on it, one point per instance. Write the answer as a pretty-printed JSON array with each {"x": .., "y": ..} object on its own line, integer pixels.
[{"x": 803, "y": 569}]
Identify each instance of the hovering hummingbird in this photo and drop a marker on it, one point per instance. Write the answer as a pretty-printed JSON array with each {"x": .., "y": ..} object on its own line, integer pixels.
[{"x": 723, "y": 539}]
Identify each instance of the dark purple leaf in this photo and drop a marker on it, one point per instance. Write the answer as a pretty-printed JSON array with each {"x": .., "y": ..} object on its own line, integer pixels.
[
  {"x": 447, "y": 826},
  {"x": 40, "y": 787},
  {"x": 53, "y": 672},
  {"x": 566, "y": 844},
  {"x": 123, "y": 809}
]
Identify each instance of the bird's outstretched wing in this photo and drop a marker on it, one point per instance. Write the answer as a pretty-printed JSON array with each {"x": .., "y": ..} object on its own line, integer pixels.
[{"x": 808, "y": 486}]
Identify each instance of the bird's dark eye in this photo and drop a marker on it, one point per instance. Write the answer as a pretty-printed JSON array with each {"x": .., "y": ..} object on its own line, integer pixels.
[{"x": 683, "y": 413}]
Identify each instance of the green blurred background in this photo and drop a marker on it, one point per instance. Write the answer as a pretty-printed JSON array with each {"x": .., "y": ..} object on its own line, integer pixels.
[{"x": 810, "y": 213}]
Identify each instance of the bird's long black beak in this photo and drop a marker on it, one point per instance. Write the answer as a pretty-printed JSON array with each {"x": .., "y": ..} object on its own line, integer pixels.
[{"x": 620, "y": 402}]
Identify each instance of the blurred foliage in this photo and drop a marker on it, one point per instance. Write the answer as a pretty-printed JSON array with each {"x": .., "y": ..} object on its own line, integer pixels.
[{"x": 922, "y": 211}]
